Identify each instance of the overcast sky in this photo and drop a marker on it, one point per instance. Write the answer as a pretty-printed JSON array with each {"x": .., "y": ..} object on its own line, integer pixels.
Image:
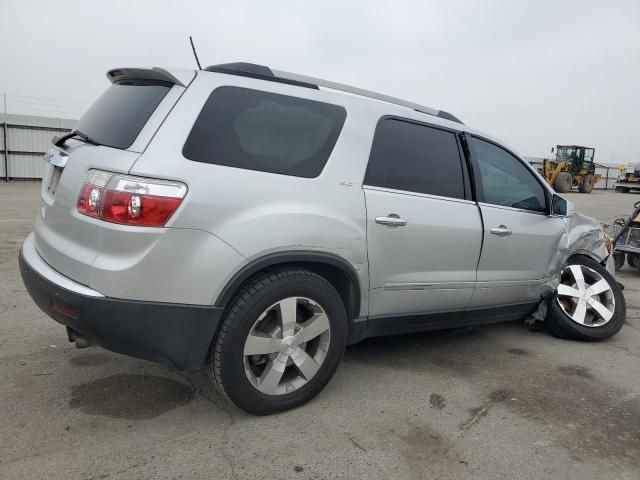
[{"x": 533, "y": 73}]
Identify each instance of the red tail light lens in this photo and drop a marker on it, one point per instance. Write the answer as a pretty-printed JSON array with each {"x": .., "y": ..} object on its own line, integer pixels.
[
  {"x": 134, "y": 209},
  {"x": 130, "y": 200},
  {"x": 92, "y": 191}
]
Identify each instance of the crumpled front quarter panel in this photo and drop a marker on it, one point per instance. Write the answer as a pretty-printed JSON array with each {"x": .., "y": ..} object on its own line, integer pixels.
[{"x": 583, "y": 236}]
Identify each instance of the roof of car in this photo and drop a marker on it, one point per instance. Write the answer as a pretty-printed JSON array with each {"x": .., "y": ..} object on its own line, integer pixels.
[{"x": 262, "y": 72}]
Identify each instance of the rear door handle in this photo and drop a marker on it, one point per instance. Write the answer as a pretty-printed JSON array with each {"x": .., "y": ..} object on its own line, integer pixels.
[
  {"x": 392, "y": 220},
  {"x": 502, "y": 230}
]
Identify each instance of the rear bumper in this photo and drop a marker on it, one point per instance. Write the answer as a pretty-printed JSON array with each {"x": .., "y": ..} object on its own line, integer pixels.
[{"x": 174, "y": 334}]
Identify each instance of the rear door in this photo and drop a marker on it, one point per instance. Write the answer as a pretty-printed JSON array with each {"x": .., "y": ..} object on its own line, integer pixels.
[
  {"x": 424, "y": 232},
  {"x": 520, "y": 237},
  {"x": 121, "y": 122}
]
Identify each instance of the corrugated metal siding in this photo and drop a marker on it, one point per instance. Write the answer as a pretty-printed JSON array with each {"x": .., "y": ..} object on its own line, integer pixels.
[
  {"x": 25, "y": 166},
  {"x": 47, "y": 122},
  {"x": 28, "y": 138}
]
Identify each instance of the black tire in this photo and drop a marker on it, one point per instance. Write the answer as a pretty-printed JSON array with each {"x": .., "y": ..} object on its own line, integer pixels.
[
  {"x": 618, "y": 260},
  {"x": 563, "y": 182},
  {"x": 587, "y": 184},
  {"x": 633, "y": 259},
  {"x": 561, "y": 325},
  {"x": 226, "y": 367},
  {"x": 622, "y": 189}
]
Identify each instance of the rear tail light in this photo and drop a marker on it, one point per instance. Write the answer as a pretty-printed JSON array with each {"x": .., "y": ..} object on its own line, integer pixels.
[{"x": 129, "y": 200}]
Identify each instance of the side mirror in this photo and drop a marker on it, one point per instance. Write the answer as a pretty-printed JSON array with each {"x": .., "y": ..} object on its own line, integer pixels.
[
  {"x": 561, "y": 207},
  {"x": 552, "y": 149}
]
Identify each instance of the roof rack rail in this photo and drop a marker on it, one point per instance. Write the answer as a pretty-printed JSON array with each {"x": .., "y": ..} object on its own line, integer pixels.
[
  {"x": 252, "y": 70},
  {"x": 262, "y": 72}
]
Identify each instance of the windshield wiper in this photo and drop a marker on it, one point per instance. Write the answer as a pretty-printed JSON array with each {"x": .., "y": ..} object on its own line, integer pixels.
[{"x": 59, "y": 141}]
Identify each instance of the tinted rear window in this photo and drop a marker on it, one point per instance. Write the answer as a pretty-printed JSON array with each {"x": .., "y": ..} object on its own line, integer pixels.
[
  {"x": 264, "y": 131},
  {"x": 416, "y": 158},
  {"x": 116, "y": 118}
]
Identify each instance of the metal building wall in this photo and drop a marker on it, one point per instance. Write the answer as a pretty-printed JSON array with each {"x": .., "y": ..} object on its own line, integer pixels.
[{"x": 28, "y": 138}]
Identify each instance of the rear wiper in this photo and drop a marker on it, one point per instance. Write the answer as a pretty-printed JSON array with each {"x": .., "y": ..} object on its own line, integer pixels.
[{"x": 59, "y": 141}]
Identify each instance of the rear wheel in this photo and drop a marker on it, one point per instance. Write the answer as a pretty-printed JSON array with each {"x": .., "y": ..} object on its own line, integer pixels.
[
  {"x": 280, "y": 341},
  {"x": 588, "y": 303},
  {"x": 563, "y": 182},
  {"x": 587, "y": 184}
]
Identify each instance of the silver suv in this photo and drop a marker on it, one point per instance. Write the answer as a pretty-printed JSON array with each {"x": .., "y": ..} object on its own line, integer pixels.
[{"x": 257, "y": 222}]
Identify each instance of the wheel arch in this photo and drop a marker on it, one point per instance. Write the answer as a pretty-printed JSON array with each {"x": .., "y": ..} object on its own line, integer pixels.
[
  {"x": 335, "y": 269},
  {"x": 585, "y": 253}
]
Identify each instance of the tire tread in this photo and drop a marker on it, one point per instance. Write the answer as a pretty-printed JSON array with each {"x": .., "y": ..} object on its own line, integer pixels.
[
  {"x": 254, "y": 288},
  {"x": 560, "y": 326}
]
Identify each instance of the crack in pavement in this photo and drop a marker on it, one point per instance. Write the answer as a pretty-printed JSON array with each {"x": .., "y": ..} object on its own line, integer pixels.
[
  {"x": 620, "y": 347},
  {"x": 225, "y": 431}
]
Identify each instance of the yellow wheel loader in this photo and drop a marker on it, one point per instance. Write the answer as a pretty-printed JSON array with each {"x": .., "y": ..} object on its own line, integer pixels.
[{"x": 573, "y": 166}]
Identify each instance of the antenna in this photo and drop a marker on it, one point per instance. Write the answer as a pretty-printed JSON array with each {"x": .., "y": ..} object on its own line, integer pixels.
[{"x": 194, "y": 52}]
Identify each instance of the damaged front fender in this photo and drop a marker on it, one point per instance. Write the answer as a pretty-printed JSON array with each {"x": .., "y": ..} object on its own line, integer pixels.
[
  {"x": 583, "y": 235},
  {"x": 586, "y": 237}
]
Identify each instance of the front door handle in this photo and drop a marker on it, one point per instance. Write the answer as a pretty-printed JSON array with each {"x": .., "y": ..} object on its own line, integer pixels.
[
  {"x": 502, "y": 230},
  {"x": 392, "y": 220}
]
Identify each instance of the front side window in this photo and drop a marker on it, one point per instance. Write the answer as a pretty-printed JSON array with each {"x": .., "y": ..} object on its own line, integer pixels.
[
  {"x": 263, "y": 131},
  {"x": 505, "y": 180},
  {"x": 415, "y": 158}
]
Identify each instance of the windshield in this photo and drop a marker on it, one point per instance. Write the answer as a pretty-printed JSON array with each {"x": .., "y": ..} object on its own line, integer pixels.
[{"x": 116, "y": 118}]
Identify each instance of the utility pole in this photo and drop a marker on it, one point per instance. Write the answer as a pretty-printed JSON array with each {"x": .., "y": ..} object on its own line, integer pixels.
[{"x": 5, "y": 137}]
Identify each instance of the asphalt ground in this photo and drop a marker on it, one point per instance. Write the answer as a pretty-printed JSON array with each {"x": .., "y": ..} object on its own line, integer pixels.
[{"x": 501, "y": 401}]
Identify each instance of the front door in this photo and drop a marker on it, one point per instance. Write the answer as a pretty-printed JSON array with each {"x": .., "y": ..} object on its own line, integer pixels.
[
  {"x": 521, "y": 239},
  {"x": 424, "y": 232}
]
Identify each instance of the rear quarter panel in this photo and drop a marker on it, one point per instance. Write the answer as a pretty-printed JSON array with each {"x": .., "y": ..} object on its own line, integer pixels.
[{"x": 258, "y": 213}]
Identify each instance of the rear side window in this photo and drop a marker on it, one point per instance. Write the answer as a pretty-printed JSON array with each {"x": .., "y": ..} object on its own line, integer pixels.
[
  {"x": 416, "y": 158},
  {"x": 264, "y": 131},
  {"x": 116, "y": 118}
]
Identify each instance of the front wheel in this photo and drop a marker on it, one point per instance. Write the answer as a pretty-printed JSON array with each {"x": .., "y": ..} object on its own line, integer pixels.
[
  {"x": 563, "y": 182},
  {"x": 587, "y": 184},
  {"x": 588, "y": 303},
  {"x": 280, "y": 342}
]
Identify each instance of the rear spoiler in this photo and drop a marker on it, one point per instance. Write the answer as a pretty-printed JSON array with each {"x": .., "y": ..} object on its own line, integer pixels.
[{"x": 155, "y": 73}]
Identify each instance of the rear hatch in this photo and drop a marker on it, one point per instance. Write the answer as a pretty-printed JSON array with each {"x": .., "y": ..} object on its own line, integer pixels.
[{"x": 112, "y": 134}]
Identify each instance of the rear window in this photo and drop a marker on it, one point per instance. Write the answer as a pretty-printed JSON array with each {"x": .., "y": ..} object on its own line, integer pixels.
[
  {"x": 264, "y": 131},
  {"x": 116, "y": 118}
]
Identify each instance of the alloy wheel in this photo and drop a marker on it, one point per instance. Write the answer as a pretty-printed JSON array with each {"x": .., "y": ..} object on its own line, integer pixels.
[
  {"x": 286, "y": 345},
  {"x": 585, "y": 296}
]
